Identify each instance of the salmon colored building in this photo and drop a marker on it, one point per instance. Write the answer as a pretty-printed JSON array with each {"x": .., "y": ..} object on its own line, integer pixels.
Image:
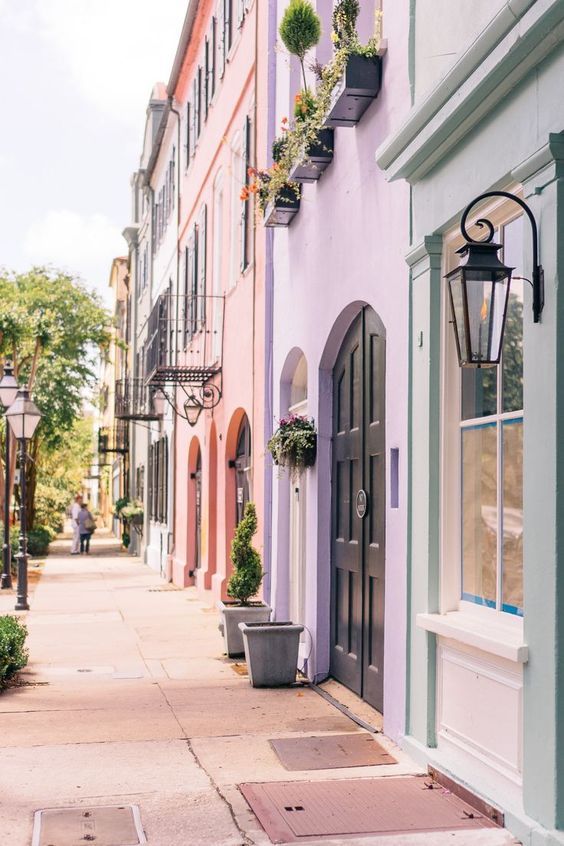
[{"x": 206, "y": 340}]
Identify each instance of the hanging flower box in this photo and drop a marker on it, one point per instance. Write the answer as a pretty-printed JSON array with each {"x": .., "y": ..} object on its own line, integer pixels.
[
  {"x": 294, "y": 444},
  {"x": 283, "y": 209},
  {"x": 358, "y": 87},
  {"x": 316, "y": 158}
]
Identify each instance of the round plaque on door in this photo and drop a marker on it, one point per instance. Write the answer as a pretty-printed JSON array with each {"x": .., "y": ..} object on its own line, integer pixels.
[{"x": 361, "y": 504}]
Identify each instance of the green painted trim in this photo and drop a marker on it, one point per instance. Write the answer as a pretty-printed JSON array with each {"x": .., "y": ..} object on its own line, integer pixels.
[{"x": 470, "y": 91}]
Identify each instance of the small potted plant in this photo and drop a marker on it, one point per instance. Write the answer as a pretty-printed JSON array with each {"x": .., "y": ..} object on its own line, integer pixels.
[
  {"x": 294, "y": 443},
  {"x": 243, "y": 585},
  {"x": 359, "y": 67}
]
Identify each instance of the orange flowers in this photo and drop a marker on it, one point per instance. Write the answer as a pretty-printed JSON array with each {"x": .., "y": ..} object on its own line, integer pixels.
[{"x": 244, "y": 195}]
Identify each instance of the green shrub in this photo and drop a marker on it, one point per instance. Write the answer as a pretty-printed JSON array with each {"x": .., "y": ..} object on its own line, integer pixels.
[
  {"x": 38, "y": 540},
  {"x": 13, "y": 655},
  {"x": 245, "y": 581}
]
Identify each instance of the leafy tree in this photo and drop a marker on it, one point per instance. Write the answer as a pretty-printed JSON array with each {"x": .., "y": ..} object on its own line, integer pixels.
[
  {"x": 345, "y": 15},
  {"x": 52, "y": 328},
  {"x": 245, "y": 581},
  {"x": 300, "y": 30}
]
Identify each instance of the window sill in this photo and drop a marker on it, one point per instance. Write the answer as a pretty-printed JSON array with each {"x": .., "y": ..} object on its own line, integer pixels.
[{"x": 504, "y": 641}]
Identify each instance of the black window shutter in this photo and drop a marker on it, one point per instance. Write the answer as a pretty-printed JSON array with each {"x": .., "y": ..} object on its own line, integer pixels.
[
  {"x": 188, "y": 133},
  {"x": 199, "y": 96},
  {"x": 206, "y": 77},
  {"x": 213, "y": 55}
]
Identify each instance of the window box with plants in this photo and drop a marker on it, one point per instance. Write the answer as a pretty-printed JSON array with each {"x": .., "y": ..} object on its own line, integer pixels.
[
  {"x": 243, "y": 586},
  {"x": 294, "y": 443},
  {"x": 345, "y": 88},
  {"x": 353, "y": 78}
]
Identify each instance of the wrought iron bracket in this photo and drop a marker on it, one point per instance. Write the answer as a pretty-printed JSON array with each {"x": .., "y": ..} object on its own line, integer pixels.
[
  {"x": 202, "y": 397},
  {"x": 538, "y": 272}
]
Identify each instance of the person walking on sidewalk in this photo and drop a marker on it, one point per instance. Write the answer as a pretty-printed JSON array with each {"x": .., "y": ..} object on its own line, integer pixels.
[
  {"x": 86, "y": 526},
  {"x": 74, "y": 512}
]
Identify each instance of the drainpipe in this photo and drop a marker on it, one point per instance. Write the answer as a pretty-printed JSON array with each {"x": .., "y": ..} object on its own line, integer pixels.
[
  {"x": 269, "y": 301},
  {"x": 175, "y": 111}
]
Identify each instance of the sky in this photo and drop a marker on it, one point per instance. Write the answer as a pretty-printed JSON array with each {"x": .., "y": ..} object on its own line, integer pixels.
[{"x": 76, "y": 79}]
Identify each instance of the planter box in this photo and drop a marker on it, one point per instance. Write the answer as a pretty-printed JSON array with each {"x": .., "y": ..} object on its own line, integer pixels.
[
  {"x": 283, "y": 209},
  {"x": 358, "y": 87},
  {"x": 271, "y": 652},
  {"x": 316, "y": 158},
  {"x": 232, "y": 614}
]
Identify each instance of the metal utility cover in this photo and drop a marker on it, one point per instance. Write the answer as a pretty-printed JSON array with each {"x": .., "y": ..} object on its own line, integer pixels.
[
  {"x": 331, "y": 752},
  {"x": 102, "y": 826},
  {"x": 290, "y": 811}
]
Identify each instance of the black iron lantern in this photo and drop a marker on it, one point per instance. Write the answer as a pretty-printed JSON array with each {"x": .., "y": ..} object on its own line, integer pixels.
[
  {"x": 479, "y": 290},
  {"x": 479, "y": 294}
]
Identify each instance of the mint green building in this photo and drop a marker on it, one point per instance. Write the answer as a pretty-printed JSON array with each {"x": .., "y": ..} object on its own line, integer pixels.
[{"x": 485, "y": 686}]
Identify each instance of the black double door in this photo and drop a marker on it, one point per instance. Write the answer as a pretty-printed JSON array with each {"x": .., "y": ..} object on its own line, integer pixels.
[{"x": 358, "y": 519}]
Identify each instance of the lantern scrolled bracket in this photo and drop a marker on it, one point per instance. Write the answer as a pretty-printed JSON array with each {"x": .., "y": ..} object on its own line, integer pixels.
[{"x": 538, "y": 273}]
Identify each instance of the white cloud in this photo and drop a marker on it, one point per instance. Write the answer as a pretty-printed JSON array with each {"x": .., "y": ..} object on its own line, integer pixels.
[
  {"x": 82, "y": 245},
  {"x": 114, "y": 50}
]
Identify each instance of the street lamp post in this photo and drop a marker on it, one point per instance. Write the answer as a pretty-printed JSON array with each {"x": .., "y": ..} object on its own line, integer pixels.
[
  {"x": 8, "y": 390},
  {"x": 23, "y": 417}
]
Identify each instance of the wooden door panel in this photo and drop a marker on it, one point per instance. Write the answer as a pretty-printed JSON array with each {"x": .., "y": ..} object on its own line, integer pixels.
[{"x": 358, "y": 544}]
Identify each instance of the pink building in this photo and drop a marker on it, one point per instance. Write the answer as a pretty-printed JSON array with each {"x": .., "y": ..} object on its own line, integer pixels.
[{"x": 205, "y": 338}]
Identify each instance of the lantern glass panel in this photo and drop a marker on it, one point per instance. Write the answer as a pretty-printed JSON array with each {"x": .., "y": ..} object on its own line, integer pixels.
[
  {"x": 8, "y": 390},
  {"x": 457, "y": 307},
  {"x": 486, "y": 292}
]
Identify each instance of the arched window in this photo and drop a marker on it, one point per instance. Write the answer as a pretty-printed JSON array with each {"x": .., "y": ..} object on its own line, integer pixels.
[{"x": 243, "y": 467}]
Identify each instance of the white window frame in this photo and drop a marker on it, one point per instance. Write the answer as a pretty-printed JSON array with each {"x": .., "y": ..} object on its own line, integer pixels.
[{"x": 501, "y": 213}]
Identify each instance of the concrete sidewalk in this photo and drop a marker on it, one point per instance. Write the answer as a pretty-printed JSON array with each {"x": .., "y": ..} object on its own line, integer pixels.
[{"x": 128, "y": 699}]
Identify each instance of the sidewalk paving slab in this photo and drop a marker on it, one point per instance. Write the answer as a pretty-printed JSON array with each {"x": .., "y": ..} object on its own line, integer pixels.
[{"x": 160, "y": 719}]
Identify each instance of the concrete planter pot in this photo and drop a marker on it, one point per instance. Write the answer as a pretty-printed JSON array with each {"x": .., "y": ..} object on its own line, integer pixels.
[
  {"x": 233, "y": 613},
  {"x": 358, "y": 87},
  {"x": 271, "y": 652},
  {"x": 315, "y": 159},
  {"x": 283, "y": 209}
]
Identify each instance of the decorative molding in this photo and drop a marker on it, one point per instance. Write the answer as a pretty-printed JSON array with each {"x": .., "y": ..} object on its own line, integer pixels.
[
  {"x": 513, "y": 44},
  {"x": 551, "y": 154}
]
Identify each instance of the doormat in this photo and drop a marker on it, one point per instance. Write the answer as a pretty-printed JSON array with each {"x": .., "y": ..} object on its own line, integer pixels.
[
  {"x": 330, "y": 752},
  {"x": 292, "y": 811},
  {"x": 102, "y": 826}
]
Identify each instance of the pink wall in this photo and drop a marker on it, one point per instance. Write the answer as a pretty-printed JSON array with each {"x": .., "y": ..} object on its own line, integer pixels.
[{"x": 243, "y": 337}]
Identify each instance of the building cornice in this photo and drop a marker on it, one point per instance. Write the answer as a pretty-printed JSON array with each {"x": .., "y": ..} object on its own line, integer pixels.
[{"x": 520, "y": 36}]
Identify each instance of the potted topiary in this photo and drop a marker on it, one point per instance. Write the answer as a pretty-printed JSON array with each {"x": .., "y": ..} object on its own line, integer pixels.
[
  {"x": 294, "y": 444},
  {"x": 243, "y": 585}
]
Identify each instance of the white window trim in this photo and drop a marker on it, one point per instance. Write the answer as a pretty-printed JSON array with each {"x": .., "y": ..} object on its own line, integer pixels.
[{"x": 485, "y": 628}]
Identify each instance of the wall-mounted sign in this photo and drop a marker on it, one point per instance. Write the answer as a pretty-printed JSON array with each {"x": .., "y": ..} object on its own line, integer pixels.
[
  {"x": 240, "y": 496},
  {"x": 361, "y": 504}
]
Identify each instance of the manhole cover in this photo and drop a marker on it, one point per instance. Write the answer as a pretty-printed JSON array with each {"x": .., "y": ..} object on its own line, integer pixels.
[
  {"x": 289, "y": 811},
  {"x": 102, "y": 826},
  {"x": 330, "y": 752}
]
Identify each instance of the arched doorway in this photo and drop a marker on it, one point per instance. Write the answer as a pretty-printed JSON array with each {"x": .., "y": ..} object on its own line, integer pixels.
[
  {"x": 242, "y": 467},
  {"x": 358, "y": 509},
  {"x": 196, "y": 478}
]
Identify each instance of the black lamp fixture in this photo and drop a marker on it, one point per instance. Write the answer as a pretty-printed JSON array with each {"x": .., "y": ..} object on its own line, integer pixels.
[
  {"x": 197, "y": 399},
  {"x": 23, "y": 417},
  {"x": 8, "y": 391},
  {"x": 479, "y": 290}
]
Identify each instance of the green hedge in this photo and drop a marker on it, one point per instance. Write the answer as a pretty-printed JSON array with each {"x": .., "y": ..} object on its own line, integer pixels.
[
  {"x": 38, "y": 540},
  {"x": 13, "y": 654}
]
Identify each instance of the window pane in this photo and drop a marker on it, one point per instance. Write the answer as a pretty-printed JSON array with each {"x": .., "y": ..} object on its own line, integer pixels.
[
  {"x": 513, "y": 339},
  {"x": 512, "y": 593},
  {"x": 479, "y": 514},
  {"x": 479, "y": 392}
]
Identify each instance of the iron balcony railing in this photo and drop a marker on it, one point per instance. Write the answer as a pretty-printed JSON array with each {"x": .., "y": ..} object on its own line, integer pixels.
[
  {"x": 184, "y": 340},
  {"x": 133, "y": 400},
  {"x": 114, "y": 439}
]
